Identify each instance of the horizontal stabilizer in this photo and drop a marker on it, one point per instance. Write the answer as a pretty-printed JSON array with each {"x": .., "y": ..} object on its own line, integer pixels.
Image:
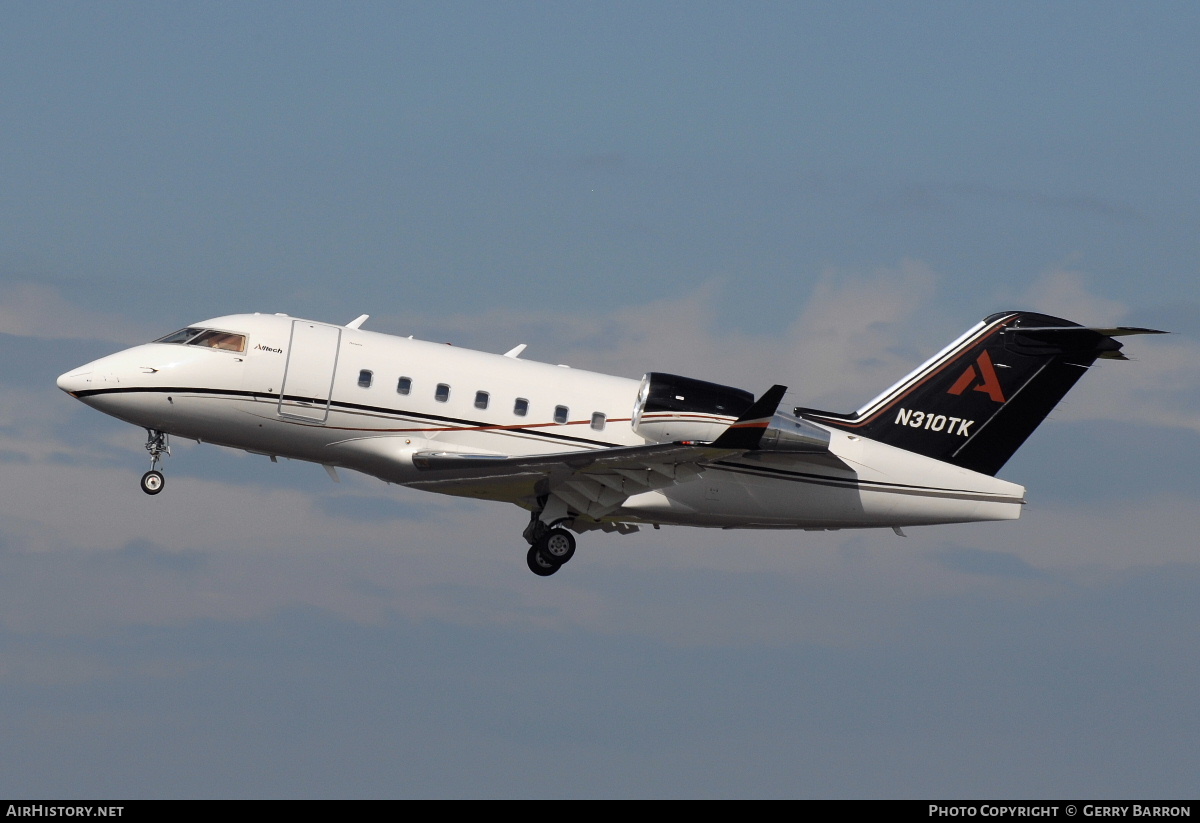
[
  {"x": 1116, "y": 331},
  {"x": 1051, "y": 333}
]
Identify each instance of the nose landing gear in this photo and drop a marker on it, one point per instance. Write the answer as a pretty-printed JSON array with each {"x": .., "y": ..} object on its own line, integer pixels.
[
  {"x": 153, "y": 482},
  {"x": 157, "y": 443}
]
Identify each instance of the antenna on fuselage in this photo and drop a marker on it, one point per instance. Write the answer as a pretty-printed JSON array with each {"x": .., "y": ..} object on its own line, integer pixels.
[
  {"x": 515, "y": 352},
  {"x": 357, "y": 322}
]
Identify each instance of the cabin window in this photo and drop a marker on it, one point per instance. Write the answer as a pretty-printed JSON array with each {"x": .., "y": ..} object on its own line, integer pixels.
[
  {"x": 443, "y": 392},
  {"x": 598, "y": 421},
  {"x": 404, "y": 385},
  {"x": 364, "y": 378},
  {"x": 561, "y": 413},
  {"x": 521, "y": 407},
  {"x": 481, "y": 400}
]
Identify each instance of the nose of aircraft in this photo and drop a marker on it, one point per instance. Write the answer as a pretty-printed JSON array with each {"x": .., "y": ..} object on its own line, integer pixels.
[
  {"x": 75, "y": 380},
  {"x": 97, "y": 374}
]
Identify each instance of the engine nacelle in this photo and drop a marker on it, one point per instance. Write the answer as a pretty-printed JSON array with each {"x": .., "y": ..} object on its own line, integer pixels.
[
  {"x": 788, "y": 433},
  {"x": 671, "y": 408}
]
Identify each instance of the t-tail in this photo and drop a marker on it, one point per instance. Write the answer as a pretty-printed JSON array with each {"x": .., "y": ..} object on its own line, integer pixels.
[{"x": 976, "y": 401}]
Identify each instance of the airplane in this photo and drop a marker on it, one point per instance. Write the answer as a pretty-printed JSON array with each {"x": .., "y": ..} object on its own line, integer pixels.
[{"x": 584, "y": 451}]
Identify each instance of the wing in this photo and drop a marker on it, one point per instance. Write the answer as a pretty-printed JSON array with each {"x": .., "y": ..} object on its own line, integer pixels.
[{"x": 594, "y": 482}]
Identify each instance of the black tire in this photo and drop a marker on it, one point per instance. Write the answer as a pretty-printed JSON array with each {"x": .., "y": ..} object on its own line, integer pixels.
[
  {"x": 153, "y": 482},
  {"x": 538, "y": 564},
  {"x": 557, "y": 546}
]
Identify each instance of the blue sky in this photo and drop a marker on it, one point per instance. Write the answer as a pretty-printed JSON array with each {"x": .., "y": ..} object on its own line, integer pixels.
[{"x": 814, "y": 194}]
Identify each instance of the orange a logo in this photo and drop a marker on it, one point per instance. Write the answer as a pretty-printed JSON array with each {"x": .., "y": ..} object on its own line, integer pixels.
[{"x": 982, "y": 376}]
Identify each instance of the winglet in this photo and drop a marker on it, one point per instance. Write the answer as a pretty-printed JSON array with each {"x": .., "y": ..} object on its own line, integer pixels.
[{"x": 748, "y": 430}]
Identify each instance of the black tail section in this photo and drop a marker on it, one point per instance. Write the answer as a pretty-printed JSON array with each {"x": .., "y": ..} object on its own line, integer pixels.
[{"x": 978, "y": 400}]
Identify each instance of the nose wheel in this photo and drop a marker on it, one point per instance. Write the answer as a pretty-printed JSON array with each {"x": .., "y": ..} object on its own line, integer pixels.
[
  {"x": 153, "y": 482},
  {"x": 158, "y": 444}
]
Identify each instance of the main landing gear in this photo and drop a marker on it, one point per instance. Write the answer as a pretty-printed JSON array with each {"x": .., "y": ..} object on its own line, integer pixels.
[
  {"x": 550, "y": 547},
  {"x": 158, "y": 444}
]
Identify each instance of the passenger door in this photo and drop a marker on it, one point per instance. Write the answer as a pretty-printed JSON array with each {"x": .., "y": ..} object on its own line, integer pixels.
[{"x": 311, "y": 363}]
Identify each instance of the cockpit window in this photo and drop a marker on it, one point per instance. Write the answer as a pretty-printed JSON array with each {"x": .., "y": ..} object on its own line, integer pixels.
[
  {"x": 181, "y": 336},
  {"x": 220, "y": 340},
  {"x": 208, "y": 338}
]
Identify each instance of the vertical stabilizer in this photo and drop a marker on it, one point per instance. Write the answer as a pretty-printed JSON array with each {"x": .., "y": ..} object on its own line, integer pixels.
[{"x": 976, "y": 401}]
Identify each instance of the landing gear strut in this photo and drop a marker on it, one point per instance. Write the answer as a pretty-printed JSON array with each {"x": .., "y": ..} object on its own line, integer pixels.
[{"x": 157, "y": 443}]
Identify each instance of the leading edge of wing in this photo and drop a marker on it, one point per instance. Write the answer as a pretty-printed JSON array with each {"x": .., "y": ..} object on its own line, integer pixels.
[
  {"x": 458, "y": 464},
  {"x": 594, "y": 482}
]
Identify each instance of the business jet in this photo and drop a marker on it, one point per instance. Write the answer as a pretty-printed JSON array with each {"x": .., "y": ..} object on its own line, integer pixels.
[{"x": 583, "y": 451}]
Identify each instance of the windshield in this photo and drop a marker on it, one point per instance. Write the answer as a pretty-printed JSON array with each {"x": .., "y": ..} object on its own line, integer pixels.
[
  {"x": 208, "y": 338},
  {"x": 181, "y": 336}
]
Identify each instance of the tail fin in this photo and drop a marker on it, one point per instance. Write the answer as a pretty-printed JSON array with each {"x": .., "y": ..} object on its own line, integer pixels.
[{"x": 976, "y": 401}]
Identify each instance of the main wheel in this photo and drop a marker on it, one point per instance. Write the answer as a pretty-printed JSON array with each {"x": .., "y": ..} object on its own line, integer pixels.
[
  {"x": 538, "y": 564},
  {"x": 153, "y": 482},
  {"x": 557, "y": 545}
]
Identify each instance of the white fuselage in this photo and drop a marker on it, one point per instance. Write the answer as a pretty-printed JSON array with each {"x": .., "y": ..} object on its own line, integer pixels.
[{"x": 369, "y": 402}]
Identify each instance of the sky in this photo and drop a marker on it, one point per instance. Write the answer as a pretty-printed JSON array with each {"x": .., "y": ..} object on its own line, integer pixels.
[{"x": 815, "y": 194}]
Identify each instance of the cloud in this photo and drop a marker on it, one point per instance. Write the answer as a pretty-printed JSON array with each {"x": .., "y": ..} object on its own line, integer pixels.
[
  {"x": 859, "y": 334},
  {"x": 913, "y": 197},
  {"x": 1063, "y": 292},
  {"x": 987, "y": 562},
  {"x": 1084, "y": 204},
  {"x": 30, "y": 309},
  {"x": 855, "y": 335},
  {"x": 86, "y": 551},
  {"x": 1160, "y": 387}
]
